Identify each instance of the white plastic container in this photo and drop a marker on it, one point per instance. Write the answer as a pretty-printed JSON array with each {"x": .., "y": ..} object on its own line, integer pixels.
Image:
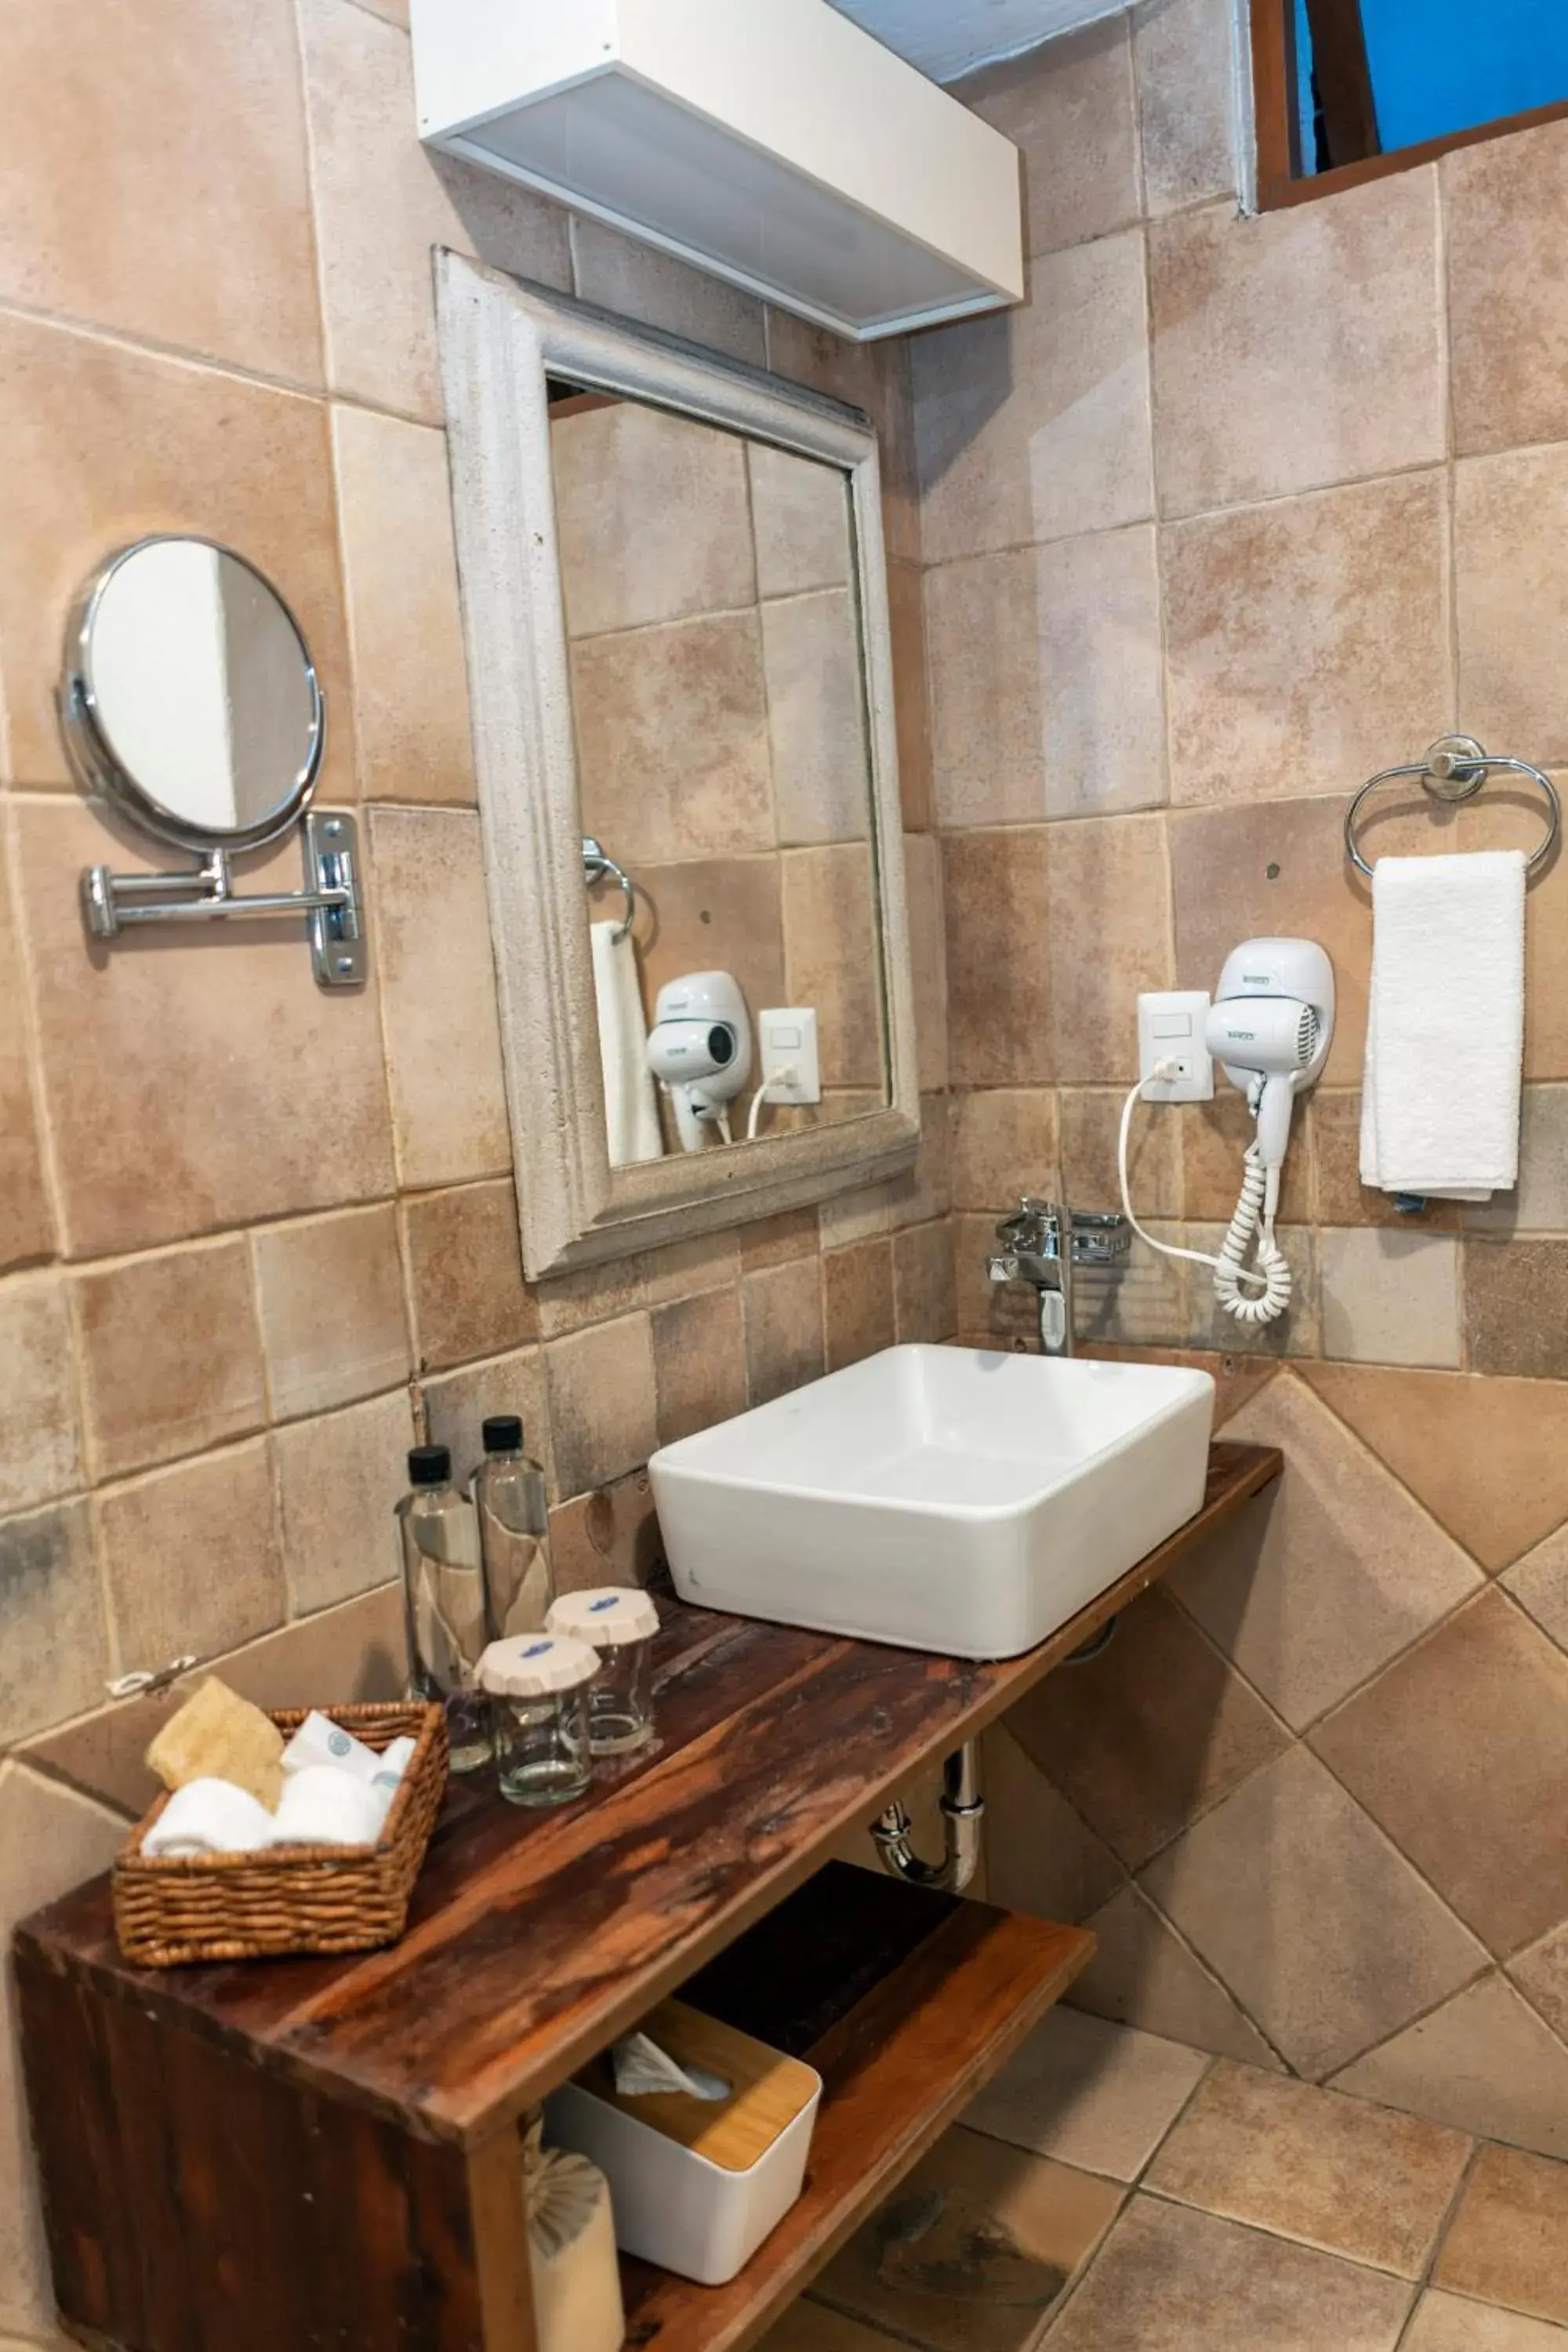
[{"x": 673, "y": 2205}]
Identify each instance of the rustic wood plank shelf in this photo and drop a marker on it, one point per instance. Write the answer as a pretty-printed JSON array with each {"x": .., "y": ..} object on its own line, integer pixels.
[{"x": 319, "y": 2151}]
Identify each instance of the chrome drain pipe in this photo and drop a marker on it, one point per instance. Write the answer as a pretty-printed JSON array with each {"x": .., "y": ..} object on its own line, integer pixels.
[{"x": 963, "y": 1812}]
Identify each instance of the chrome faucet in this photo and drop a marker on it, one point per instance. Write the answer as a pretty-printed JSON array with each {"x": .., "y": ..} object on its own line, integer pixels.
[{"x": 1041, "y": 1242}]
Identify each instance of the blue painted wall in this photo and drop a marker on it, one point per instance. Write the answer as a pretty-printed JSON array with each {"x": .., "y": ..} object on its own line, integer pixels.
[{"x": 1447, "y": 65}]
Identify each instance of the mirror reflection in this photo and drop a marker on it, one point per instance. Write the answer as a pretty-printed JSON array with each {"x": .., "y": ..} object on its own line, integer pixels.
[
  {"x": 719, "y": 706},
  {"x": 201, "y": 693}
]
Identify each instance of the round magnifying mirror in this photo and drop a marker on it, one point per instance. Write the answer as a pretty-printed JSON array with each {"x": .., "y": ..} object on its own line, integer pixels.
[{"x": 190, "y": 697}]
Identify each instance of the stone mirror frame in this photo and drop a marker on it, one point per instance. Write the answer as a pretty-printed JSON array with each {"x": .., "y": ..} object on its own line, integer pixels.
[{"x": 500, "y": 340}]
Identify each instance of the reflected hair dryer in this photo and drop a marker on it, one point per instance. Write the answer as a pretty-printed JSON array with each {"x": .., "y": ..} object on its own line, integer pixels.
[{"x": 699, "y": 1050}]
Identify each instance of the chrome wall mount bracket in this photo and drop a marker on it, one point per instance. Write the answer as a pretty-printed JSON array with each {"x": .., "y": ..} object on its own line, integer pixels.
[{"x": 331, "y": 900}]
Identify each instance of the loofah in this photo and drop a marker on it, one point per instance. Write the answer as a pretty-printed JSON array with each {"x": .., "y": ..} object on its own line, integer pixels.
[{"x": 218, "y": 1736}]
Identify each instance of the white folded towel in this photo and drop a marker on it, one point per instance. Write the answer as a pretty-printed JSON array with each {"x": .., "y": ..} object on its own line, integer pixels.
[
  {"x": 1444, "y": 1033},
  {"x": 320, "y": 1740},
  {"x": 208, "y": 1816},
  {"x": 324, "y": 1805},
  {"x": 631, "y": 1106}
]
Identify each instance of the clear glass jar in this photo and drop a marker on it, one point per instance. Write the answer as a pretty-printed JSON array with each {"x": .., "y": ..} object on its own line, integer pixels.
[
  {"x": 619, "y": 1623},
  {"x": 507, "y": 1491},
  {"x": 444, "y": 1603},
  {"x": 537, "y": 1689}
]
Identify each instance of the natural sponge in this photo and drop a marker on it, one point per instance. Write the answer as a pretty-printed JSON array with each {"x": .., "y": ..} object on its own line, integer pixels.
[{"x": 219, "y": 1736}]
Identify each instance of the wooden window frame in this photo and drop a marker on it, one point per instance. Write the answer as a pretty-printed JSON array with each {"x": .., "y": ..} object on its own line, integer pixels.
[{"x": 1279, "y": 181}]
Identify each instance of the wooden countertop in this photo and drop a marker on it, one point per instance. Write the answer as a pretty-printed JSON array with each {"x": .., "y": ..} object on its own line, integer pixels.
[{"x": 535, "y": 1938}]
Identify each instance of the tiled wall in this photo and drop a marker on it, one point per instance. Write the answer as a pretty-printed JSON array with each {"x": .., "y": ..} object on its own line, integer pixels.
[
  {"x": 236, "y": 1215},
  {"x": 1233, "y": 514},
  {"x": 720, "y": 715}
]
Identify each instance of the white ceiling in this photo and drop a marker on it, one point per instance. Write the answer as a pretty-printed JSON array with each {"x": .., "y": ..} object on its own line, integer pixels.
[{"x": 947, "y": 39}]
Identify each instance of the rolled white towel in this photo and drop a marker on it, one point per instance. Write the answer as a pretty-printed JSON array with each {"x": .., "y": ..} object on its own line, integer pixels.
[
  {"x": 393, "y": 1763},
  {"x": 208, "y": 1816},
  {"x": 320, "y": 1740},
  {"x": 323, "y": 1805}
]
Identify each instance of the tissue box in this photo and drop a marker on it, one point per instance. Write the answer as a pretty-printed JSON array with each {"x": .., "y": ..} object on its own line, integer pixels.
[
  {"x": 248, "y": 1906},
  {"x": 695, "y": 2184}
]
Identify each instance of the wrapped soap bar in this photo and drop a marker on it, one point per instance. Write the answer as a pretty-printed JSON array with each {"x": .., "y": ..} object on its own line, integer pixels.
[
  {"x": 218, "y": 1736},
  {"x": 577, "y": 2302}
]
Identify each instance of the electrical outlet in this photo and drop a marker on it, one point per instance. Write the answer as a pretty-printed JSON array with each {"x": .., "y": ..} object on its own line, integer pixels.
[
  {"x": 786, "y": 1040},
  {"x": 1170, "y": 1029}
]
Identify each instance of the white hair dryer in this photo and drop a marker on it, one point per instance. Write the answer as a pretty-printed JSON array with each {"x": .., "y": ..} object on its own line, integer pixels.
[
  {"x": 699, "y": 1050},
  {"x": 1270, "y": 1024}
]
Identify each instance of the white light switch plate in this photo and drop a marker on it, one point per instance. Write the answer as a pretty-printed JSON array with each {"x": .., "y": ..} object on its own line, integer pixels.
[
  {"x": 1170, "y": 1029},
  {"x": 786, "y": 1039}
]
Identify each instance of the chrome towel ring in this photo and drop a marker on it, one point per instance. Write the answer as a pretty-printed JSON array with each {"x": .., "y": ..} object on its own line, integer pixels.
[
  {"x": 1453, "y": 769},
  {"x": 598, "y": 866}
]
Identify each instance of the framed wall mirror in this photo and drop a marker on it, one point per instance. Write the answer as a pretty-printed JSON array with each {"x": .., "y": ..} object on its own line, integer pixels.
[{"x": 675, "y": 601}]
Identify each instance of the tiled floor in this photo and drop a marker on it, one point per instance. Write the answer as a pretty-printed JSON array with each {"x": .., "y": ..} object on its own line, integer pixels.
[{"x": 1112, "y": 2192}]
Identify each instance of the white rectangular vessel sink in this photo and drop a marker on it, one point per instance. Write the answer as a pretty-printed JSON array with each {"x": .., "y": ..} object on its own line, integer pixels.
[{"x": 942, "y": 1498}]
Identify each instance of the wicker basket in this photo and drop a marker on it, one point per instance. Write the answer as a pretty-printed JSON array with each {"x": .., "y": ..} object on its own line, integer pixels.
[{"x": 316, "y": 1898}]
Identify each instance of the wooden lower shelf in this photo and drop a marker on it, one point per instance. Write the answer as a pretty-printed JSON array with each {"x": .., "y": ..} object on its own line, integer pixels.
[{"x": 959, "y": 1985}]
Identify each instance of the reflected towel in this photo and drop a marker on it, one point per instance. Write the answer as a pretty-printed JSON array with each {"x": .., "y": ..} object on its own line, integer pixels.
[
  {"x": 1444, "y": 1033},
  {"x": 631, "y": 1108}
]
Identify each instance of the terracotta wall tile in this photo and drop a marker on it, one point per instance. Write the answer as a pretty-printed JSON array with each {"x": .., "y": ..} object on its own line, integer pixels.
[
  {"x": 191, "y": 1557},
  {"x": 465, "y": 1275},
  {"x": 171, "y": 1355},
  {"x": 382, "y": 204},
  {"x": 610, "y": 1536},
  {"x": 27, "y": 1225},
  {"x": 1539, "y": 1202},
  {"x": 457, "y": 1403},
  {"x": 800, "y": 521},
  {"x": 816, "y": 724},
  {"x": 1487, "y": 1457},
  {"x": 1331, "y": 1574},
  {"x": 1068, "y": 106},
  {"x": 1005, "y": 1144},
  {"x": 782, "y": 1306},
  {"x": 1509, "y": 512},
  {"x": 640, "y": 282},
  {"x": 1102, "y": 691},
  {"x": 928, "y": 951},
  {"x": 1274, "y": 869},
  {"x": 1332, "y": 1148},
  {"x": 990, "y": 1314},
  {"x": 698, "y": 1364},
  {"x": 911, "y": 699},
  {"x": 1515, "y": 1306},
  {"x": 1184, "y": 54},
  {"x": 51, "y": 1839},
  {"x": 1483, "y": 2062},
  {"x": 432, "y": 943},
  {"x": 1213, "y": 1137},
  {"x": 1309, "y": 640},
  {"x": 1107, "y": 936},
  {"x": 857, "y": 1301},
  {"x": 1040, "y": 1858},
  {"x": 1460, "y": 1752},
  {"x": 1090, "y": 1133},
  {"x": 1540, "y": 1584},
  {"x": 340, "y": 1478},
  {"x": 1506, "y": 204},
  {"x": 1149, "y": 1735},
  {"x": 1297, "y": 1332},
  {"x": 603, "y": 1413},
  {"x": 1324, "y": 1932},
  {"x": 773, "y": 1241},
  {"x": 995, "y": 893},
  {"x": 706, "y": 914},
  {"x": 130, "y": 206},
  {"x": 1452, "y": 2323},
  {"x": 104, "y": 444},
  {"x": 925, "y": 1304},
  {"x": 1506, "y": 2242},
  {"x": 169, "y": 1118},
  {"x": 1268, "y": 333},
  {"x": 986, "y": 689},
  {"x": 672, "y": 739},
  {"x": 54, "y": 1653},
  {"x": 651, "y": 518},
  {"x": 1034, "y": 423},
  {"x": 40, "y": 1420},
  {"x": 831, "y": 958},
  {"x": 1142, "y": 1974},
  {"x": 334, "y": 1322},
  {"x": 400, "y": 570},
  {"x": 1146, "y": 1300},
  {"x": 1390, "y": 1297}
]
